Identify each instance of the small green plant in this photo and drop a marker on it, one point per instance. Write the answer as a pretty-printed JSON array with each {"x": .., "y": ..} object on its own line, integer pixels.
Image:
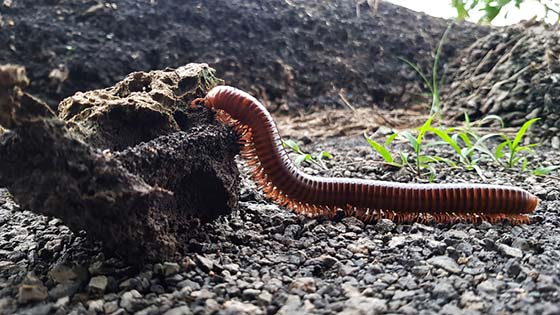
[
  {"x": 306, "y": 157},
  {"x": 383, "y": 150},
  {"x": 433, "y": 84},
  {"x": 469, "y": 147},
  {"x": 514, "y": 148}
]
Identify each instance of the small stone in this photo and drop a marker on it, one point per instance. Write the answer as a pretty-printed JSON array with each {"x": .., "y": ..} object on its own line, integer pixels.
[
  {"x": 95, "y": 305},
  {"x": 450, "y": 309},
  {"x": 97, "y": 285},
  {"x": 292, "y": 306},
  {"x": 250, "y": 294},
  {"x": 446, "y": 263},
  {"x": 510, "y": 251},
  {"x": 181, "y": 310},
  {"x": 240, "y": 308},
  {"x": 388, "y": 278},
  {"x": 456, "y": 234},
  {"x": 188, "y": 283},
  {"x": 396, "y": 241},
  {"x": 444, "y": 290},
  {"x": 404, "y": 295},
  {"x": 62, "y": 273},
  {"x": 203, "y": 294},
  {"x": 327, "y": 260},
  {"x": 490, "y": 286},
  {"x": 31, "y": 290},
  {"x": 265, "y": 297},
  {"x": 353, "y": 222},
  {"x": 130, "y": 300},
  {"x": 67, "y": 288},
  {"x": 358, "y": 305},
  {"x": 204, "y": 263},
  {"x": 471, "y": 301},
  {"x": 110, "y": 307},
  {"x": 233, "y": 268},
  {"x": 513, "y": 268},
  {"x": 346, "y": 269},
  {"x": 555, "y": 142},
  {"x": 170, "y": 269},
  {"x": 385, "y": 226},
  {"x": 305, "y": 284},
  {"x": 40, "y": 309}
]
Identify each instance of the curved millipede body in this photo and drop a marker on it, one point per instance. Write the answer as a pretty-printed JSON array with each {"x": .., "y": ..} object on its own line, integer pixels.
[{"x": 368, "y": 200}]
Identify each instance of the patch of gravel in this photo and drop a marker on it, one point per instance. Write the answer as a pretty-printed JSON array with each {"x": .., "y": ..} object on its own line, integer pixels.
[{"x": 266, "y": 260}]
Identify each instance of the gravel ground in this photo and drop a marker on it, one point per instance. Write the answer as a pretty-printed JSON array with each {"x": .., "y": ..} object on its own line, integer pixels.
[{"x": 266, "y": 260}]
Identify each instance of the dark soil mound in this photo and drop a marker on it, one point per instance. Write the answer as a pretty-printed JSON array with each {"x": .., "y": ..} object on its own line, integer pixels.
[
  {"x": 513, "y": 73},
  {"x": 293, "y": 52}
]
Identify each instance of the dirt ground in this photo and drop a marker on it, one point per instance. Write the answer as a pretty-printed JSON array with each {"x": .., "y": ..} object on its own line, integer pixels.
[{"x": 272, "y": 48}]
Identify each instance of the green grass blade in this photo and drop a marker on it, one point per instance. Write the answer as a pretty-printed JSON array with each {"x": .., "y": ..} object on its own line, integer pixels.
[
  {"x": 419, "y": 72},
  {"x": 292, "y": 145},
  {"x": 412, "y": 140},
  {"x": 391, "y": 138},
  {"x": 522, "y": 132},
  {"x": 445, "y": 137},
  {"x": 380, "y": 149},
  {"x": 542, "y": 171}
]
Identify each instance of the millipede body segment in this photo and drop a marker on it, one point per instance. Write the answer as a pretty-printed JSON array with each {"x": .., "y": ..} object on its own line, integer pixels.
[{"x": 368, "y": 200}]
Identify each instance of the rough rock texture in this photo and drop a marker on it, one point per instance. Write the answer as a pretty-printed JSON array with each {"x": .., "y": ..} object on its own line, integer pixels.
[
  {"x": 140, "y": 107},
  {"x": 272, "y": 48},
  {"x": 513, "y": 73},
  {"x": 138, "y": 201}
]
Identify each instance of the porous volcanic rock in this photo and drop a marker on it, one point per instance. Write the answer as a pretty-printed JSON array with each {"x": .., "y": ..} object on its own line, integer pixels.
[{"x": 139, "y": 201}]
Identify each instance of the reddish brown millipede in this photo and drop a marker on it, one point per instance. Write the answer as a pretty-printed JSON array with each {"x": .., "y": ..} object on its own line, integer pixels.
[{"x": 368, "y": 200}]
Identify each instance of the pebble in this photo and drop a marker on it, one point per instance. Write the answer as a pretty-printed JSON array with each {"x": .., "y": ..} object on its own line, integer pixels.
[
  {"x": 265, "y": 297},
  {"x": 170, "y": 269},
  {"x": 385, "y": 226},
  {"x": 204, "y": 263},
  {"x": 305, "y": 284},
  {"x": 31, "y": 290},
  {"x": 446, "y": 263},
  {"x": 361, "y": 305},
  {"x": 131, "y": 301},
  {"x": 181, "y": 310},
  {"x": 509, "y": 251},
  {"x": 239, "y": 308},
  {"x": 444, "y": 290},
  {"x": 97, "y": 285},
  {"x": 292, "y": 306}
]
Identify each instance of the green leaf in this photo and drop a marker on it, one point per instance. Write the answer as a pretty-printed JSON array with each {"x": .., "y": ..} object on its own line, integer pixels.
[
  {"x": 391, "y": 138},
  {"x": 524, "y": 164},
  {"x": 412, "y": 140},
  {"x": 380, "y": 149},
  {"x": 492, "y": 117},
  {"x": 445, "y": 137},
  {"x": 500, "y": 148},
  {"x": 465, "y": 137},
  {"x": 522, "y": 132},
  {"x": 542, "y": 171},
  {"x": 467, "y": 120},
  {"x": 326, "y": 155},
  {"x": 292, "y": 145},
  {"x": 459, "y": 5},
  {"x": 425, "y": 127}
]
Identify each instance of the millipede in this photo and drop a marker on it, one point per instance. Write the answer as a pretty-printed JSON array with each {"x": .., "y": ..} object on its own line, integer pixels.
[{"x": 368, "y": 200}]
